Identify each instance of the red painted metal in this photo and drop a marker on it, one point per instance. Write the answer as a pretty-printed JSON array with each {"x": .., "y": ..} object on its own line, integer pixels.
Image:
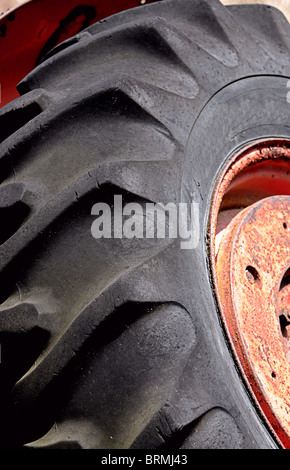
[
  {"x": 250, "y": 258},
  {"x": 28, "y": 32}
]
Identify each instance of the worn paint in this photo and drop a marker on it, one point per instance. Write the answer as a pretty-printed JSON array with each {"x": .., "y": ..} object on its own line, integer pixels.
[{"x": 250, "y": 267}]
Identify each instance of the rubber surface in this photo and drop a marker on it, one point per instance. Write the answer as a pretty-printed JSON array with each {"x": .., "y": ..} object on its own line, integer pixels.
[{"x": 116, "y": 343}]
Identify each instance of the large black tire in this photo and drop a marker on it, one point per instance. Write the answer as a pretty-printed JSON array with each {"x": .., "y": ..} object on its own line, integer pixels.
[{"x": 116, "y": 343}]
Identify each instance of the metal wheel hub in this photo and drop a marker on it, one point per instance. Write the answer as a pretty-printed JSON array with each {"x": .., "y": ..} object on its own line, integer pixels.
[{"x": 250, "y": 257}]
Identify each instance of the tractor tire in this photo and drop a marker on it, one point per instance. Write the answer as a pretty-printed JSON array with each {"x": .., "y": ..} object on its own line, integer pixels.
[{"x": 116, "y": 343}]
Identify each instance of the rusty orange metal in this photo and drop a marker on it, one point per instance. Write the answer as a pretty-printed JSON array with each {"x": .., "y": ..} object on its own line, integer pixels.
[
  {"x": 30, "y": 31},
  {"x": 250, "y": 259}
]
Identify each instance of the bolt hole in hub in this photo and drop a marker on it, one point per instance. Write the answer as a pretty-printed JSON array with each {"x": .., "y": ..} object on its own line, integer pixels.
[
  {"x": 250, "y": 259},
  {"x": 252, "y": 274}
]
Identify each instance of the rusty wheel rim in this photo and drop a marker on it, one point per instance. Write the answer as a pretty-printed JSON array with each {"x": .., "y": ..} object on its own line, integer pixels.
[{"x": 250, "y": 260}]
